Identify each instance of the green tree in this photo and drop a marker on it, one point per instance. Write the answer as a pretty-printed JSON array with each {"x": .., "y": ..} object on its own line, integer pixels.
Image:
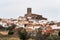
[
  {"x": 22, "y": 33},
  {"x": 11, "y": 27},
  {"x": 11, "y": 32}
]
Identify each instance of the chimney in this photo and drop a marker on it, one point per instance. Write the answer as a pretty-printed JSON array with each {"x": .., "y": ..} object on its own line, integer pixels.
[{"x": 28, "y": 10}]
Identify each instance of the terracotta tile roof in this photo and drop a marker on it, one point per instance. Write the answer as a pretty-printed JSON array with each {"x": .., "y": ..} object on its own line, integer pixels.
[
  {"x": 29, "y": 29},
  {"x": 37, "y": 25}
]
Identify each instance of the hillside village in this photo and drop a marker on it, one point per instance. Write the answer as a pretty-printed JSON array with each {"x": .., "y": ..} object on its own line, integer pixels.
[{"x": 30, "y": 22}]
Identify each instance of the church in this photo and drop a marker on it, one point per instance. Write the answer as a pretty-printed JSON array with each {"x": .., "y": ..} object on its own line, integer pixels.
[{"x": 34, "y": 16}]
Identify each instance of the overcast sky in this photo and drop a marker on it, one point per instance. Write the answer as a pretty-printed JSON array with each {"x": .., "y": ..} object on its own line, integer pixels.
[{"x": 14, "y": 8}]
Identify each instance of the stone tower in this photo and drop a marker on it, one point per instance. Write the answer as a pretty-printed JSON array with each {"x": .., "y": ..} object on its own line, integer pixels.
[{"x": 29, "y": 11}]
